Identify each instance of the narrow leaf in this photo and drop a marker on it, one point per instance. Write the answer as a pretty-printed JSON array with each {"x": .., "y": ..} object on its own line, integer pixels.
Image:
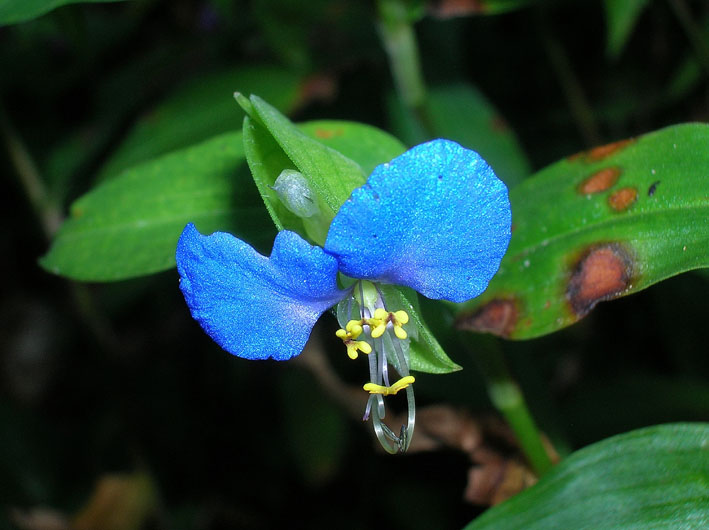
[
  {"x": 621, "y": 16},
  {"x": 597, "y": 226},
  {"x": 655, "y": 477}
]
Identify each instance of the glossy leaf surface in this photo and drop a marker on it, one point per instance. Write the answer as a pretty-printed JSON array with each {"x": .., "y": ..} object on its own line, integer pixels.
[
  {"x": 599, "y": 225},
  {"x": 650, "y": 478}
]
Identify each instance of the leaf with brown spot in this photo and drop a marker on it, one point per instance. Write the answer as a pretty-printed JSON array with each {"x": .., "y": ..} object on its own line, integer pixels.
[{"x": 571, "y": 250}]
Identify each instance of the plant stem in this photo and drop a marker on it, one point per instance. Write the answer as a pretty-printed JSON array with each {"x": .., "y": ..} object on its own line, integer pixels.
[
  {"x": 507, "y": 396},
  {"x": 397, "y": 33}
]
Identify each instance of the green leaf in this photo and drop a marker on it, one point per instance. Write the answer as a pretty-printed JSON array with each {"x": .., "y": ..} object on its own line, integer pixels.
[
  {"x": 462, "y": 113},
  {"x": 425, "y": 353},
  {"x": 621, "y": 16},
  {"x": 199, "y": 110},
  {"x": 14, "y": 11},
  {"x": 332, "y": 175},
  {"x": 129, "y": 226},
  {"x": 364, "y": 144},
  {"x": 597, "y": 226},
  {"x": 657, "y": 477}
]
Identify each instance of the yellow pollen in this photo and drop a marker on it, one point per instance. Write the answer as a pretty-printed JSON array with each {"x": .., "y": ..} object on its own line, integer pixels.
[{"x": 389, "y": 390}]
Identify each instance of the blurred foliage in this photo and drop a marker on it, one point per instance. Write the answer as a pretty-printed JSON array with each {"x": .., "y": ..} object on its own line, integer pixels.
[{"x": 114, "y": 379}]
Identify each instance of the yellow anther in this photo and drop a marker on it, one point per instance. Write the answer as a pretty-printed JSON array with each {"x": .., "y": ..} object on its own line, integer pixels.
[
  {"x": 354, "y": 327},
  {"x": 381, "y": 314},
  {"x": 401, "y": 317},
  {"x": 348, "y": 336},
  {"x": 389, "y": 390},
  {"x": 382, "y": 317}
]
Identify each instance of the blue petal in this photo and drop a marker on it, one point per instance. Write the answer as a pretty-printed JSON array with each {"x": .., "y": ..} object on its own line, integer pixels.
[
  {"x": 253, "y": 306},
  {"x": 436, "y": 219}
]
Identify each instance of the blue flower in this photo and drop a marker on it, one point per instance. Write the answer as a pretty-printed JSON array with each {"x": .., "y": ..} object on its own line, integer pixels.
[{"x": 435, "y": 219}]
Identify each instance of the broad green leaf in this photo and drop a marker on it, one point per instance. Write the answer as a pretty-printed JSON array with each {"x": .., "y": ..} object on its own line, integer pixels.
[
  {"x": 621, "y": 16},
  {"x": 462, "y": 113},
  {"x": 14, "y": 11},
  {"x": 366, "y": 145},
  {"x": 199, "y": 110},
  {"x": 597, "y": 226},
  {"x": 657, "y": 477},
  {"x": 332, "y": 175},
  {"x": 129, "y": 226},
  {"x": 425, "y": 353}
]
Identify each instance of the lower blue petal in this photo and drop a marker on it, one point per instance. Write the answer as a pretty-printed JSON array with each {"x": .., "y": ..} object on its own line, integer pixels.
[
  {"x": 436, "y": 219},
  {"x": 253, "y": 306}
]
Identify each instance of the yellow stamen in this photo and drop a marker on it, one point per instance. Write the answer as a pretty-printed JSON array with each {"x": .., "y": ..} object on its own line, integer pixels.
[
  {"x": 352, "y": 330},
  {"x": 390, "y": 390},
  {"x": 382, "y": 317}
]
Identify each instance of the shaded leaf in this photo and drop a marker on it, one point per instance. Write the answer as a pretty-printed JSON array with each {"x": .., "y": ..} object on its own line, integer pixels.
[
  {"x": 596, "y": 226},
  {"x": 129, "y": 226},
  {"x": 461, "y": 113},
  {"x": 649, "y": 478},
  {"x": 621, "y": 16},
  {"x": 14, "y": 11},
  {"x": 199, "y": 110}
]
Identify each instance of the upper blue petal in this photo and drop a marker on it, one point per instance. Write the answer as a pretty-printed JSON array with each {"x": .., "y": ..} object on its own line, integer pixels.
[
  {"x": 253, "y": 306},
  {"x": 436, "y": 219}
]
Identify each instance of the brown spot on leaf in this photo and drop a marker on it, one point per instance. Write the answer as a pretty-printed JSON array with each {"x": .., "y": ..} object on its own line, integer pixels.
[
  {"x": 497, "y": 316},
  {"x": 602, "y": 273},
  {"x": 328, "y": 133},
  {"x": 601, "y": 152},
  {"x": 622, "y": 198},
  {"x": 604, "y": 151},
  {"x": 600, "y": 181},
  {"x": 498, "y": 124}
]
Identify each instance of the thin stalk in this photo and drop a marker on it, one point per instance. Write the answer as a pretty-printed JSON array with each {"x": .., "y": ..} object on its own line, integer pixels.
[
  {"x": 399, "y": 39},
  {"x": 507, "y": 397}
]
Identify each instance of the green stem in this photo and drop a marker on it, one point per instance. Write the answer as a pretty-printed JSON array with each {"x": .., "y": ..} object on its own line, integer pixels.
[
  {"x": 397, "y": 33},
  {"x": 507, "y": 396}
]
